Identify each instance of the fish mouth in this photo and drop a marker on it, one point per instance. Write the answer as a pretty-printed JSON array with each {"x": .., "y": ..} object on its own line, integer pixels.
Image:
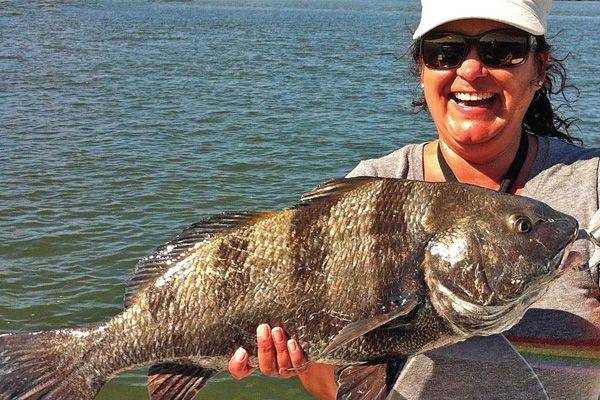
[
  {"x": 574, "y": 260},
  {"x": 557, "y": 261},
  {"x": 566, "y": 259}
]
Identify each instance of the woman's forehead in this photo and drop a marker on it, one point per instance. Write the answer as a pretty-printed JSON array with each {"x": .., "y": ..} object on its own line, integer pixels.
[{"x": 472, "y": 26}]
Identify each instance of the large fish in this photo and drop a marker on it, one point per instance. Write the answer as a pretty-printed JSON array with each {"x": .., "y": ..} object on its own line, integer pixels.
[{"x": 364, "y": 272}]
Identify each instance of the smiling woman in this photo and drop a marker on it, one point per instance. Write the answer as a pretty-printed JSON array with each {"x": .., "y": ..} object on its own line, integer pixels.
[
  {"x": 486, "y": 71},
  {"x": 479, "y": 109},
  {"x": 476, "y": 104}
]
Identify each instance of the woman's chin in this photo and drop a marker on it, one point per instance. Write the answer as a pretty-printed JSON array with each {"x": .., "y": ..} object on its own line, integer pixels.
[
  {"x": 476, "y": 128},
  {"x": 471, "y": 134}
]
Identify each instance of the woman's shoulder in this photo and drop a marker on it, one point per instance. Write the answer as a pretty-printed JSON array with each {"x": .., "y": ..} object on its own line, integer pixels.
[
  {"x": 406, "y": 162},
  {"x": 555, "y": 151},
  {"x": 566, "y": 166},
  {"x": 563, "y": 172}
]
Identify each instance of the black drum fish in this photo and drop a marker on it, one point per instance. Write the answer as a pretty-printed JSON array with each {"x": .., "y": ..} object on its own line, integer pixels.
[{"x": 363, "y": 272}]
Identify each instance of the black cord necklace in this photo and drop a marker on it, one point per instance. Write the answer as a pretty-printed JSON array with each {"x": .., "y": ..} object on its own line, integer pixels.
[{"x": 508, "y": 182}]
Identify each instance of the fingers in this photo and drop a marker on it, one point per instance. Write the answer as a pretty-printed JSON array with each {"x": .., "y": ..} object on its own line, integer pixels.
[
  {"x": 276, "y": 355},
  {"x": 239, "y": 365},
  {"x": 267, "y": 357},
  {"x": 283, "y": 356},
  {"x": 299, "y": 361}
]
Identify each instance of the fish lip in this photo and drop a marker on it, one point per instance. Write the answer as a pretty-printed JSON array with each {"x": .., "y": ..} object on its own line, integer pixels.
[
  {"x": 574, "y": 260},
  {"x": 559, "y": 261},
  {"x": 558, "y": 264}
]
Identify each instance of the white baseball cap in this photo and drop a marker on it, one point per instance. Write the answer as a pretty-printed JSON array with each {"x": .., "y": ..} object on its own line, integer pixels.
[{"x": 528, "y": 15}]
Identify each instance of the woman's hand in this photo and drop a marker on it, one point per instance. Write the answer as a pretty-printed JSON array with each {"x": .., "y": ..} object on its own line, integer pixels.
[{"x": 277, "y": 354}]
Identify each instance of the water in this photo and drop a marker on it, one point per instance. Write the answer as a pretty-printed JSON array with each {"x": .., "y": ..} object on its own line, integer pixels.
[{"x": 121, "y": 123}]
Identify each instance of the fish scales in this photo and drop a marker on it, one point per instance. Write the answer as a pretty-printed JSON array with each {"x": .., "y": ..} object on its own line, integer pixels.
[
  {"x": 270, "y": 236},
  {"x": 365, "y": 270}
]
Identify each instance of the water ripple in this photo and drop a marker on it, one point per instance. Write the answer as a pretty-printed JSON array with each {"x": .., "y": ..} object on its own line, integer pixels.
[{"x": 124, "y": 122}]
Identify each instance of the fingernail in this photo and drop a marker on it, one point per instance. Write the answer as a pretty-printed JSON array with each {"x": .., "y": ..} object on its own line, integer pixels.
[
  {"x": 262, "y": 331},
  {"x": 277, "y": 334},
  {"x": 292, "y": 345},
  {"x": 240, "y": 354}
]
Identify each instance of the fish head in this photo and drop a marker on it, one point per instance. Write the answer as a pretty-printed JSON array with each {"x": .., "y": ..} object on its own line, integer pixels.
[{"x": 492, "y": 256}]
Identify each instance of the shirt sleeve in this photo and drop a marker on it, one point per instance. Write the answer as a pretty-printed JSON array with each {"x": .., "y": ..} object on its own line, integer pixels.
[{"x": 364, "y": 168}]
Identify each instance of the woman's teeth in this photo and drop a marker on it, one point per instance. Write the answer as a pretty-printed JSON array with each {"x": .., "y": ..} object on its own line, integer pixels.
[
  {"x": 483, "y": 99},
  {"x": 473, "y": 96}
]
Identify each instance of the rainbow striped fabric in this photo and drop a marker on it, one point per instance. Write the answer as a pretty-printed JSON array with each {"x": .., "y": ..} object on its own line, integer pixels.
[{"x": 581, "y": 356}]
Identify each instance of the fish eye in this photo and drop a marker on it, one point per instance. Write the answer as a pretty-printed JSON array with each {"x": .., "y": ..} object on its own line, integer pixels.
[{"x": 520, "y": 223}]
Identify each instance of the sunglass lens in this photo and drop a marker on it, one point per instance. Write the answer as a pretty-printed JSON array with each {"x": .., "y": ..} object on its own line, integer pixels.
[
  {"x": 503, "y": 49},
  {"x": 443, "y": 51}
]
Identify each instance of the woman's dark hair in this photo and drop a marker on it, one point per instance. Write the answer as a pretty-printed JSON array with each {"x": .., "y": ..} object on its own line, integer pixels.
[{"x": 541, "y": 118}]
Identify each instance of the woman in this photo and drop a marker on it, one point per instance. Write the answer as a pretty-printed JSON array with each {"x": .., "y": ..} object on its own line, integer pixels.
[{"x": 486, "y": 70}]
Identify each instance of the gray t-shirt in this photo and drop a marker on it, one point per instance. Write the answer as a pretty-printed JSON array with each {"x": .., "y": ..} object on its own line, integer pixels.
[{"x": 558, "y": 340}]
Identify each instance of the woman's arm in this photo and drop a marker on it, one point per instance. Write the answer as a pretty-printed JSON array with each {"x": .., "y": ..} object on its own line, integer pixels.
[{"x": 277, "y": 355}]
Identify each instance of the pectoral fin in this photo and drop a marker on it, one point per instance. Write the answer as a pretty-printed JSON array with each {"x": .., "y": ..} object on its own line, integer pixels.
[
  {"x": 177, "y": 381},
  {"x": 367, "y": 382},
  {"x": 359, "y": 328}
]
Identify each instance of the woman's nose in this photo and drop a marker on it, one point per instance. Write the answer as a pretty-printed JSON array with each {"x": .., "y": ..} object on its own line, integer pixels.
[{"x": 471, "y": 68}]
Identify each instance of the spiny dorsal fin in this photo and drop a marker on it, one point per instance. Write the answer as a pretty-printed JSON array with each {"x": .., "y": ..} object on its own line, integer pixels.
[
  {"x": 177, "y": 381},
  {"x": 333, "y": 188},
  {"x": 170, "y": 253}
]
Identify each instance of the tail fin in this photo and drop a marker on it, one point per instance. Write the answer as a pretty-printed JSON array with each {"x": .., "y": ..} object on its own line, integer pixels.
[{"x": 47, "y": 365}]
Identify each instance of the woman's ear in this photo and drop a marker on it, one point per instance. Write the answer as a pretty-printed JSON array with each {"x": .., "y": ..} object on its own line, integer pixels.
[
  {"x": 546, "y": 56},
  {"x": 544, "y": 60}
]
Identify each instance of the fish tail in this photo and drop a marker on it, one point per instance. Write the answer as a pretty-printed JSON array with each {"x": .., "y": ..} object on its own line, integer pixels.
[{"x": 48, "y": 365}]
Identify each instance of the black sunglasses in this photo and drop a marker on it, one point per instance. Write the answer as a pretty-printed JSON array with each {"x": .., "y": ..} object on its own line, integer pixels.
[{"x": 496, "y": 49}]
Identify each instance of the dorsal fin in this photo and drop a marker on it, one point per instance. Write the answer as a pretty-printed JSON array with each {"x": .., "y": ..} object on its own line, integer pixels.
[
  {"x": 170, "y": 253},
  {"x": 333, "y": 188}
]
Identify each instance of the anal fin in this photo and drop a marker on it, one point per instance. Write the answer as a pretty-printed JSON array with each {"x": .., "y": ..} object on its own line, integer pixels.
[
  {"x": 367, "y": 382},
  {"x": 171, "y": 381}
]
